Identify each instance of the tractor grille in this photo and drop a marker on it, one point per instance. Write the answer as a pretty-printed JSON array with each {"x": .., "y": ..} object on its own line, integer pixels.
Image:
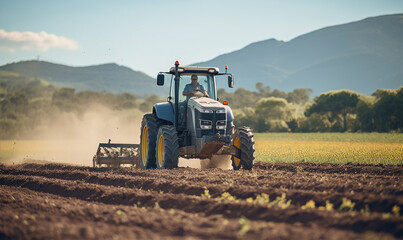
[{"x": 210, "y": 123}]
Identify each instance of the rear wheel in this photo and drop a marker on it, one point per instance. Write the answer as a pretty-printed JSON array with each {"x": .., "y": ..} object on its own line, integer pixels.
[
  {"x": 167, "y": 147},
  {"x": 236, "y": 161},
  {"x": 148, "y": 136},
  {"x": 245, "y": 145}
]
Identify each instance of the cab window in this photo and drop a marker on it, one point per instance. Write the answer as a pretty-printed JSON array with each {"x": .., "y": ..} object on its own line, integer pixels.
[{"x": 205, "y": 80}]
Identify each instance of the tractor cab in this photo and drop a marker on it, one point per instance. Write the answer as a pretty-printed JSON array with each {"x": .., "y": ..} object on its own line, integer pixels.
[{"x": 190, "y": 83}]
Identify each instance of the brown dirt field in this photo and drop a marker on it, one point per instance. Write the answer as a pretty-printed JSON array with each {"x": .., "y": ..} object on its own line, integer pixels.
[{"x": 54, "y": 201}]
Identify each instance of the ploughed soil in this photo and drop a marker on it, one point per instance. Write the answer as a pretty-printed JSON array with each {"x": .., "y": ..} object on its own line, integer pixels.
[{"x": 54, "y": 201}]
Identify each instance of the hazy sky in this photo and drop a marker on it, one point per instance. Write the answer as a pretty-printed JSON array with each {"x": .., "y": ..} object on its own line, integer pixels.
[{"x": 150, "y": 35}]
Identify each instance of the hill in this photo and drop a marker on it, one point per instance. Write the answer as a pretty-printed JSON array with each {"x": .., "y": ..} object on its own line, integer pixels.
[
  {"x": 106, "y": 77},
  {"x": 362, "y": 56},
  {"x": 11, "y": 82}
]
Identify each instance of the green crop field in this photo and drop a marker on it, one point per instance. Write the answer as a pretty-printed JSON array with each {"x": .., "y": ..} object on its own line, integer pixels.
[{"x": 364, "y": 148}]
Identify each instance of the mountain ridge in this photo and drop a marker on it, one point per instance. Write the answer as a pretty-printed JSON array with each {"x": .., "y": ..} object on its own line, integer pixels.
[
  {"x": 109, "y": 77},
  {"x": 375, "y": 43},
  {"x": 362, "y": 56}
]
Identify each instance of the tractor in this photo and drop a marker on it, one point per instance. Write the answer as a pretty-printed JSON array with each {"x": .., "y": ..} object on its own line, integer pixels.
[{"x": 191, "y": 124}]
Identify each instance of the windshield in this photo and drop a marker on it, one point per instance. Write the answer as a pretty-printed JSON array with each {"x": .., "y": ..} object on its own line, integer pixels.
[{"x": 204, "y": 82}]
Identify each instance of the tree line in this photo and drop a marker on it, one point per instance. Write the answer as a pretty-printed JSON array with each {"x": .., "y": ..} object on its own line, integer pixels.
[
  {"x": 30, "y": 108},
  {"x": 333, "y": 111},
  {"x": 23, "y": 113}
]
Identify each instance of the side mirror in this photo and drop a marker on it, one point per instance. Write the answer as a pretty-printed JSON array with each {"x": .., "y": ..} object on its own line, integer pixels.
[
  {"x": 230, "y": 81},
  {"x": 160, "y": 79}
]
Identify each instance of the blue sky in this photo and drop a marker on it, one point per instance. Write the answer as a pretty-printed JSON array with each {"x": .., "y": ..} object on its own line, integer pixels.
[{"x": 150, "y": 35}]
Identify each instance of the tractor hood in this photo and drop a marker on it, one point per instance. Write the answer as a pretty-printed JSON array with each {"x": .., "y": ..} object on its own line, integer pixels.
[{"x": 205, "y": 104}]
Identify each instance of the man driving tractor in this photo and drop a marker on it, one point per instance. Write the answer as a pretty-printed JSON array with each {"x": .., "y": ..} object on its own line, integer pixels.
[{"x": 193, "y": 87}]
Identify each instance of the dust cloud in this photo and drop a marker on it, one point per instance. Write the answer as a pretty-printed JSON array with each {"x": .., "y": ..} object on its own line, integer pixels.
[
  {"x": 73, "y": 139},
  {"x": 192, "y": 162},
  {"x": 216, "y": 161}
]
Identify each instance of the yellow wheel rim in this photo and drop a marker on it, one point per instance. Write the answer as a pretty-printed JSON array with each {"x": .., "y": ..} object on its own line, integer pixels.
[
  {"x": 160, "y": 151},
  {"x": 144, "y": 145},
  {"x": 237, "y": 144}
]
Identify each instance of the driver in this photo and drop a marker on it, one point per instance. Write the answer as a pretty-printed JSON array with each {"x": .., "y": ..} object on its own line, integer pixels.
[{"x": 192, "y": 88}]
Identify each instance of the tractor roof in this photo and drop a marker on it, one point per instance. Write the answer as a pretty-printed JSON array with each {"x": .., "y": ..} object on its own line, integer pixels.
[{"x": 193, "y": 69}]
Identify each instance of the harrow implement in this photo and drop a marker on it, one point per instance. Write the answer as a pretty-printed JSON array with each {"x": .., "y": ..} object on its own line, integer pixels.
[{"x": 116, "y": 154}]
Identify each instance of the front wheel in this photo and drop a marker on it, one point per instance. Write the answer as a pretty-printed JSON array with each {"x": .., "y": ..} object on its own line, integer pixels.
[
  {"x": 167, "y": 153},
  {"x": 245, "y": 149},
  {"x": 148, "y": 135}
]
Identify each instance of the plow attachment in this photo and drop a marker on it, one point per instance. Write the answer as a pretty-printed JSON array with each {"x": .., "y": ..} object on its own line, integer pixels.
[{"x": 115, "y": 154}]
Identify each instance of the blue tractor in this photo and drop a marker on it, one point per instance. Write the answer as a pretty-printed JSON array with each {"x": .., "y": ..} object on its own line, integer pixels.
[{"x": 193, "y": 123}]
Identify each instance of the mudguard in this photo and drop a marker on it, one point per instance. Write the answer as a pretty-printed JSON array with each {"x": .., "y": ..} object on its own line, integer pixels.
[
  {"x": 164, "y": 111},
  {"x": 230, "y": 115}
]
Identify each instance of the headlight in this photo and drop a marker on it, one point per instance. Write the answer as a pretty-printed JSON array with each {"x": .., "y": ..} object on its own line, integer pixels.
[
  {"x": 205, "y": 124},
  {"x": 221, "y": 124},
  {"x": 206, "y": 111},
  {"x": 220, "y": 111}
]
